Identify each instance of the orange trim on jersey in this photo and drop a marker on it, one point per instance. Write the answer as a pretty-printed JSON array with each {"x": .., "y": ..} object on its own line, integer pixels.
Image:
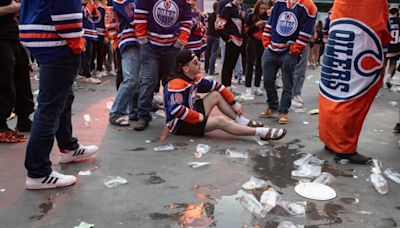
[
  {"x": 183, "y": 36},
  {"x": 68, "y": 26},
  {"x": 310, "y": 6},
  {"x": 178, "y": 84},
  {"x": 163, "y": 40},
  {"x": 39, "y": 35},
  {"x": 141, "y": 30}
]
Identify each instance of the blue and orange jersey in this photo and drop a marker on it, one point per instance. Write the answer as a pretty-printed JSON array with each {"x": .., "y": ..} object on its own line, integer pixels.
[
  {"x": 197, "y": 39},
  {"x": 394, "y": 29},
  {"x": 163, "y": 21},
  {"x": 180, "y": 94},
  {"x": 290, "y": 25},
  {"x": 124, "y": 11},
  {"x": 229, "y": 23},
  {"x": 46, "y": 27},
  {"x": 100, "y": 22},
  {"x": 90, "y": 17},
  {"x": 110, "y": 24}
]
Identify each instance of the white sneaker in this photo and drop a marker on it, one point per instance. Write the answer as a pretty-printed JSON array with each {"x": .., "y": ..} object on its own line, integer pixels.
[
  {"x": 96, "y": 74},
  {"x": 296, "y": 104},
  {"x": 298, "y": 99},
  {"x": 103, "y": 73},
  {"x": 259, "y": 91},
  {"x": 54, "y": 180},
  {"x": 92, "y": 80},
  {"x": 81, "y": 153},
  {"x": 249, "y": 91},
  {"x": 112, "y": 73}
]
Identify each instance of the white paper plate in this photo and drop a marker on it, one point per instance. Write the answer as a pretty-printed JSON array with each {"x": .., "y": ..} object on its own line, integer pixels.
[{"x": 315, "y": 191}]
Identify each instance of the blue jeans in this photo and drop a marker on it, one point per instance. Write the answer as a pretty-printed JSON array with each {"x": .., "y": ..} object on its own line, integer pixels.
[
  {"x": 153, "y": 60},
  {"x": 300, "y": 72},
  {"x": 53, "y": 114},
  {"x": 211, "y": 53},
  {"x": 271, "y": 62},
  {"x": 129, "y": 87}
]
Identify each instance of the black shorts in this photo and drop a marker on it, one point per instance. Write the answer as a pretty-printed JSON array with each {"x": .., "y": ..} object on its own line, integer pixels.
[{"x": 184, "y": 128}]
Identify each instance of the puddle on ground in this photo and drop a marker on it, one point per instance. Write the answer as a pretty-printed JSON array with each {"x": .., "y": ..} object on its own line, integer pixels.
[
  {"x": 47, "y": 206},
  {"x": 137, "y": 149},
  {"x": 332, "y": 213}
]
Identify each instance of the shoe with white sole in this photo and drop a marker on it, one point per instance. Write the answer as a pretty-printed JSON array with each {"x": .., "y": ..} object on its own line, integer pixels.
[
  {"x": 92, "y": 80},
  {"x": 54, "y": 180},
  {"x": 81, "y": 153},
  {"x": 259, "y": 92}
]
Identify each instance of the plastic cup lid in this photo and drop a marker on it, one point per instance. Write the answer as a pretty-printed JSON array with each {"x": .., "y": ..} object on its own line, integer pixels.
[{"x": 315, "y": 191}]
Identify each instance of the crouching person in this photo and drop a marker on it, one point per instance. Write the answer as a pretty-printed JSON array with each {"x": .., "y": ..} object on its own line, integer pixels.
[{"x": 189, "y": 115}]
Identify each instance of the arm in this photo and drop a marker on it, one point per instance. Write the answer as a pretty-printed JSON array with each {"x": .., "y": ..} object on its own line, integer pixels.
[
  {"x": 68, "y": 23},
  {"x": 221, "y": 21},
  {"x": 305, "y": 32},
  {"x": 267, "y": 37},
  {"x": 206, "y": 86},
  {"x": 12, "y": 8},
  {"x": 141, "y": 15},
  {"x": 186, "y": 24}
]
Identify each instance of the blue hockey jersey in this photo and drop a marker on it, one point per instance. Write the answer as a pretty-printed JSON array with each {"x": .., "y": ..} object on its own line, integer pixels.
[
  {"x": 230, "y": 24},
  {"x": 290, "y": 25},
  {"x": 100, "y": 22},
  {"x": 197, "y": 39},
  {"x": 90, "y": 17},
  {"x": 124, "y": 11},
  {"x": 394, "y": 45}
]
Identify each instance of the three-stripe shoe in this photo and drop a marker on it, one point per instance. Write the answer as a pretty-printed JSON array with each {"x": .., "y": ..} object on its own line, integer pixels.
[
  {"x": 81, "y": 153},
  {"x": 54, "y": 180}
]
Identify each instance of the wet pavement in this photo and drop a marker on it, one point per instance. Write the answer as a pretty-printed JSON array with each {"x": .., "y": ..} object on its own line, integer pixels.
[{"x": 164, "y": 192}]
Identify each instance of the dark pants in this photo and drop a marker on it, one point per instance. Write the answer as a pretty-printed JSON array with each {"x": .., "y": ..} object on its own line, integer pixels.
[
  {"x": 15, "y": 85},
  {"x": 86, "y": 58},
  {"x": 254, "y": 52},
  {"x": 232, "y": 53},
  {"x": 211, "y": 53},
  {"x": 98, "y": 54},
  {"x": 53, "y": 114}
]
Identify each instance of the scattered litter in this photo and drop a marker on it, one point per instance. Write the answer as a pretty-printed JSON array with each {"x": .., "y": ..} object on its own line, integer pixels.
[
  {"x": 261, "y": 142},
  {"x": 269, "y": 199},
  {"x": 307, "y": 171},
  {"x": 308, "y": 159},
  {"x": 192, "y": 140},
  {"x": 344, "y": 161},
  {"x": 364, "y": 212},
  {"x": 147, "y": 141},
  {"x": 287, "y": 224},
  {"x": 299, "y": 110},
  {"x": 378, "y": 130},
  {"x": 255, "y": 183},
  {"x": 315, "y": 191},
  {"x": 246, "y": 97},
  {"x": 109, "y": 104},
  {"x": 196, "y": 165},
  {"x": 111, "y": 181},
  {"x": 249, "y": 202},
  {"x": 234, "y": 154},
  {"x": 36, "y": 92},
  {"x": 306, "y": 123},
  {"x": 378, "y": 181},
  {"x": 84, "y": 225},
  {"x": 324, "y": 178},
  {"x": 2, "y": 190},
  {"x": 85, "y": 173},
  {"x": 314, "y": 112},
  {"x": 166, "y": 147},
  {"x": 294, "y": 208},
  {"x": 392, "y": 174},
  {"x": 202, "y": 148},
  {"x": 270, "y": 153},
  {"x": 160, "y": 113},
  {"x": 317, "y": 82},
  {"x": 393, "y": 103},
  {"x": 309, "y": 76},
  {"x": 88, "y": 120}
]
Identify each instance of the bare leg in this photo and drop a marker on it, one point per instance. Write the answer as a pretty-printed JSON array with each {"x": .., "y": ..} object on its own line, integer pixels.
[
  {"x": 216, "y": 99},
  {"x": 222, "y": 123}
]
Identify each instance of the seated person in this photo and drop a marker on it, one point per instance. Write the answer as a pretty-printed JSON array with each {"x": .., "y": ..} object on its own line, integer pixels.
[{"x": 189, "y": 115}]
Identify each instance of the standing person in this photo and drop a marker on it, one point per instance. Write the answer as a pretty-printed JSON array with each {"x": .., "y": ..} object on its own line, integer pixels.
[
  {"x": 188, "y": 115},
  {"x": 230, "y": 24},
  {"x": 197, "y": 40},
  {"x": 255, "y": 24},
  {"x": 285, "y": 37},
  {"x": 99, "y": 44},
  {"x": 346, "y": 92},
  {"x": 130, "y": 52},
  {"x": 299, "y": 77},
  {"x": 317, "y": 42},
  {"x": 212, "y": 42},
  {"x": 15, "y": 85},
  {"x": 58, "y": 58},
  {"x": 393, "y": 53},
  {"x": 162, "y": 29}
]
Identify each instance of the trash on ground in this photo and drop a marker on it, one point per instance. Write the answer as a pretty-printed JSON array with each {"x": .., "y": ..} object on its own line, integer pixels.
[
  {"x": 378, "y": 181},
  {"x": 167, "y": 147},
  {"x": 111, "y": 181},
  {"x": 196, "y": 165},
  {"x": 378, "y": 130},
  {"x": 84, "y": 225},
  {"x": 261, "y": 142},
  {"x": 315, "y": 191},
  {"x": 246, "y": 97},
  {"x": 88, "y": 120},
  {"x": 85, "y": 173},
  {"x": 269, "y": 199},
  {"x": 392, "y": 174},
  {"x": 309, "y": 76},
  {"x": 270, "y": 153},
  {"x": 307, "y": 171},
  {"x": 249, "y": 202},
  {"x": 147, "y": 141},
  {"x": 287, "y": 224},
  {"x": 203, "y": 148},
  {"x": 306, "y": 123},
  {"x": 294, "y": 208},
  {"x": 393, "y": 103},
  {"x": 160, "y": 113},
  {"x": 234, "y": 154},
  {"x": 344, "y": 161},
  {"x": 324, "y": 178},
  {"x": 191, "y": 140},
  {"x": 308, "y": 159},
  {"x": 2, "y": 190},
  {"x": 255, "y": 183},
  {"x": 317, "y": 82},
  {"x": 314, "y": 112},
  {"x": 299, "y": 110}
]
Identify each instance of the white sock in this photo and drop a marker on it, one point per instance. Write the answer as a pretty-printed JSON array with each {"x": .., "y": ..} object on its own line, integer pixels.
[
  {"x": 261, "y": 131},
  {"x": 242, "y": 120}
]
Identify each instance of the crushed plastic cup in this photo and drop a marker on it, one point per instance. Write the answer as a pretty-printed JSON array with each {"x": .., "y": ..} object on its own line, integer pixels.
[
  {"x": 203, "y": 148},
  {"x": 255, "y": 183},
  {"x": 236, "y": 155},
  {"x": 88, "y": 120},
  {"x": 324, "y": 178},
  {"x": 392, "y": 174},
  {"x": 246, "y": 97},
  {"x": 85, "y": 173},
  {"x": 84, "y": 225},
  {"x": 249, "y": 202},
  {"x": 269, "y": 199},
  {"x": 376, "y": 166},
  {"x": 299, "y": 110},
  {"x": 308, "y": 159},
  {"x": 2, "y": 190},
  {"x": 286, "y": 224},
  {"x": 160, "y": 113},
  {"x": 111, "y": 182},
  {"x": 344, "y": 161},
  {"x": 379, "y": 182},
  {"x": 307, "y": 171},
  {"x": 167, "y": 147},
  {"x": 196, "y": 165},
  {"x": 294, "y": 208}
]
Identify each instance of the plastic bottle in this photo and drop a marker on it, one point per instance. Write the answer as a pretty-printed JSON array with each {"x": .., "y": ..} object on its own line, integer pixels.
[
  {"x": 269, "y": 199},
  {"x": 294, "y": 208},
  {"x": 249, "y": 202},
  {"x": 307, "y": 171},
  {"x": 203, "y": 148},
  {"x": 378, "y": 181},
  {"x": 392, "y": 175},
  {"x": 236, "y": 155},
  {"x": 324, "y": 178},
  {"x": 308, "y": 159}
]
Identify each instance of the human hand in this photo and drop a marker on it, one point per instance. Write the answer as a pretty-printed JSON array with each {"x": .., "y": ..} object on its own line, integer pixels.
[
  {"x": 260, "y": 24},
  {"x": 201, "y": 117},
  {"x": 238, "y": 108},
  {"x": 14, "y": 6}
]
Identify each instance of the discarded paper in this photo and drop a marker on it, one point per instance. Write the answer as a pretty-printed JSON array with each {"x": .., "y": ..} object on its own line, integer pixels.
[
  {"x": 111, "y": 181},
  {"x": 196, "y": 165},
  {"x": 167, "y": 147},
  {"x": 84, "y": 225}
]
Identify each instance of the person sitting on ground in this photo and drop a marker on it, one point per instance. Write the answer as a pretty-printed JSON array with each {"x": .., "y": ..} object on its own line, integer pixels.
[{"x": 189, "y": 115}]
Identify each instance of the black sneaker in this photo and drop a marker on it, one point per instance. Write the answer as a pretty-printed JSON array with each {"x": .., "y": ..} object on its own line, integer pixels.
[
  {"x": 24, "y": 125},
  {"x": 396, "y": 128},
  {"x": 355, "y": 158}
]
